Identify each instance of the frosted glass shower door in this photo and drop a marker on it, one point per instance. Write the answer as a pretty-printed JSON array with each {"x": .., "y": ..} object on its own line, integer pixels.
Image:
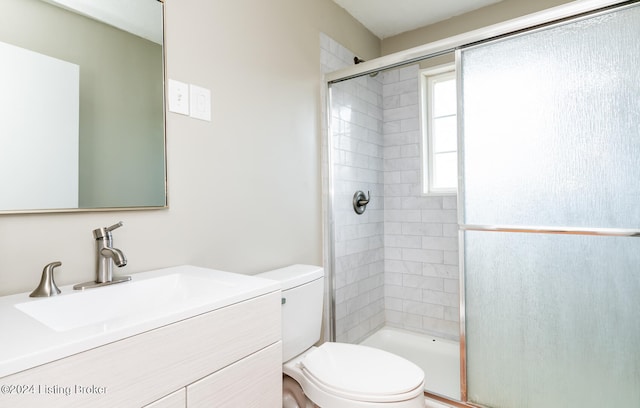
[{"x": 550, "y": 151}]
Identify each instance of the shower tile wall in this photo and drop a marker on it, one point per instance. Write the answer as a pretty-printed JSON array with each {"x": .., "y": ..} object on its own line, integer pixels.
[
  {"x": 356, "y": 124},
  {"x": 397, "y": 263},
  {"x": 420, "y": 232}
]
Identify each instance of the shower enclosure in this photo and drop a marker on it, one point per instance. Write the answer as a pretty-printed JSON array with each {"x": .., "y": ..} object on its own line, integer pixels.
[
  {"x": 395, "y": 266},
  {"x": 544, "y": 299}
]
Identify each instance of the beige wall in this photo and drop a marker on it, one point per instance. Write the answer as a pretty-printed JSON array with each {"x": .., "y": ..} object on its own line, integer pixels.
[
  {"x": 245, "y": 188},
  {"x": 496, "y": 13}
]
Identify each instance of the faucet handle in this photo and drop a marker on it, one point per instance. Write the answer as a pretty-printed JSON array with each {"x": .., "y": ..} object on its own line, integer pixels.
[
  {"x": 114, "y": 226},
  {"x": 47, "y": 286},
  {"x": 100, "y": 233}
]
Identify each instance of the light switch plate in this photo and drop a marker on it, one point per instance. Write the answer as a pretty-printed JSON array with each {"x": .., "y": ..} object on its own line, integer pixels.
[
  {"x": 200, "y": 99},
  {"x": 178, "y": 97}
]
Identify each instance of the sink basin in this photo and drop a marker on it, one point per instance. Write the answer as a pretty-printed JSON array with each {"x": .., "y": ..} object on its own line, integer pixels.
[
  {"x": 46, "y": 329},
  {"x": 124, "y": 302}
]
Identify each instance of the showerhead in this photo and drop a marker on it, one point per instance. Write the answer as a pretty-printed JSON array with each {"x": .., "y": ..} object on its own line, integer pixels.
[{"x": 357, "y": 60}]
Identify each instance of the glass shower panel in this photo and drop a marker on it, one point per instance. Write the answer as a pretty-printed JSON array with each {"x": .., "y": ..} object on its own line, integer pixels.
[
  {"x": 551, "y": 138},
  {"x": 552, "y": 320},
  {"x": 552, "y": 126},
  {"x": 358, "y": 241}
]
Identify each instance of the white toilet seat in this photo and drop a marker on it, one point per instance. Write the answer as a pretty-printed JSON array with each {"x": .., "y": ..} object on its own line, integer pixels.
[
  {"x": 364, "y": 397},
  {"x": 339, "y": 375}
]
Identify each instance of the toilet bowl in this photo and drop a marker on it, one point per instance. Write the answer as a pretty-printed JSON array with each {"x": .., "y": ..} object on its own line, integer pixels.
[{"x": 335, "y": 375}]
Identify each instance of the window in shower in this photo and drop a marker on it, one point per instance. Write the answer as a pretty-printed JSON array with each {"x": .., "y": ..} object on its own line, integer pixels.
[{"x": 439, "y": 127}]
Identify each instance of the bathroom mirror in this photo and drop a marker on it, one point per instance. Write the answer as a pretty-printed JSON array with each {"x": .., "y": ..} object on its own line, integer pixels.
[{"x": 82, "y": 105}]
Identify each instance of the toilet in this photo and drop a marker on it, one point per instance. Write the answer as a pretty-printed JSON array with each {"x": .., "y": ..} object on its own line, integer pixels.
[{"x": 335, "y": 375}]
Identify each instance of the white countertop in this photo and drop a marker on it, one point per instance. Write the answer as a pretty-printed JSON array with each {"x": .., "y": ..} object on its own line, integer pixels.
[{"x": 26, "y": 342}]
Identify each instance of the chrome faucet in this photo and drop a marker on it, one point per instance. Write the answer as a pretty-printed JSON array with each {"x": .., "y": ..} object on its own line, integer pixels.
[
  {"x": 106, "y": 257},
  {"x": 106, "y": 254}
]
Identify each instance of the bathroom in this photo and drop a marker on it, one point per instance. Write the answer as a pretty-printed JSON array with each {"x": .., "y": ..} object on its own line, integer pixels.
[{"x": 243, "y": 195}]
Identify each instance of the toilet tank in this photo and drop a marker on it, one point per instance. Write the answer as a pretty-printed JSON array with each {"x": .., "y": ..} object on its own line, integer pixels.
[{"x": 302, "y": 294}]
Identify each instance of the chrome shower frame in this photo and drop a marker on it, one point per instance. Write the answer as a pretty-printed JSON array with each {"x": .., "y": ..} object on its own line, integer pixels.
[{"x": 544, "y": 19}]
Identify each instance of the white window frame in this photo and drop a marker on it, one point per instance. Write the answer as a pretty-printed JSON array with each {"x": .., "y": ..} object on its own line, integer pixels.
[{"x": 427, "y": 77}]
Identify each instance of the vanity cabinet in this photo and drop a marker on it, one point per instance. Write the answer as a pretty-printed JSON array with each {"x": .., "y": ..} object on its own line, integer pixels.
[{"x": 229, "y": 357}]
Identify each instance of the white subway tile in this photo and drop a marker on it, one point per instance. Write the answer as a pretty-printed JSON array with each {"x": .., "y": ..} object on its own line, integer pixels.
[
  {"x": 391, "y": 102},
  {"x": 409, "y": 72},
  {"x": 393, "y": 317},
  {"x": 410, "y": 176},
  {"x": 375, "y": 215},
  {"x": 403, "y": 267},
  {"x": 377, "y": 163},
  {"x": 452, "y": 285},
  {"x": 422, "y": 229},
  {"x": 405, "y": 216},
  {"x": 440, "y": 216},
  {"x": 392, "y": 203},
  {"x": 391, "y": 127},
  {"x": 376, "y": 242},
  {"x": 376, "y": 268},
  {"x": 394, "y": 291},
  {"x": 422, "y": 203},
  {"x": 450, "y": 230},
  {"x": 411, "y": 293},
  {"x": 422, "y": 282},
  {"x": 452, "y": 314},
  {"x": 403, "y": 241},
  {"x": 423, "y": 309},
  {"x": 409, "y": 124},
  {"x": 397, "y": 190},
  {"x": 440, "y": 298},
  {"x": 401, "y": 137},
  {"x": 392, "y": 227},
  {"x": 451, "y": 257},
  {"x": 394, "y": 304},
  {"x": 393, "y": 253},
  {"x": 392, "y": 177},
  {"x": 422, "y": 255},
  {"x": 412, "y": 321},
  {"x": 450, "y": 202},
  {"x": 395, "y": 114},
  {"x": 389, "y": 77},
  {"x": 405, "y": 163},
  {"x": 410, "y": 150},
  {"x": 442, "y": 328},
  {"x": 410, "y": 98},
  {"x": 392, "y": 152},
  {"x": 441, "y": 271},
  {"x": 444, "y": 243}
]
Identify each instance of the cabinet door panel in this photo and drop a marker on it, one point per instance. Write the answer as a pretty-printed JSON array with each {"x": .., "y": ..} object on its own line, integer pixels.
[
  {"x": 176, "y": 399},
  {"x": 253, "y": 382}
]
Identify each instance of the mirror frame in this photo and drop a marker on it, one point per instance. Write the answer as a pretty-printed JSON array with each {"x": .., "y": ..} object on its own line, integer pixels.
[{"x": 164, "y": 138}]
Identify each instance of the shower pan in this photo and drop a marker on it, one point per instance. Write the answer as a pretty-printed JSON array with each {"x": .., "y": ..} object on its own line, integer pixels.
[{"x": 530, "y": 272}]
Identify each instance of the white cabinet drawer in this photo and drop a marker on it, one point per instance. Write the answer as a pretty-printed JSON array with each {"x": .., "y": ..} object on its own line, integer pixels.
[{"x": 253, "y": 382}]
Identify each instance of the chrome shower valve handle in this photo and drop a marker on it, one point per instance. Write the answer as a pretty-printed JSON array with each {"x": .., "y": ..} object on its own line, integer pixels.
[{"x": 360, "y": 201}]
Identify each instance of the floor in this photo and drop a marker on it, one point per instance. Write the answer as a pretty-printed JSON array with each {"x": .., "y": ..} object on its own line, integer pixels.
[{"x": 429, "y": 403}]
